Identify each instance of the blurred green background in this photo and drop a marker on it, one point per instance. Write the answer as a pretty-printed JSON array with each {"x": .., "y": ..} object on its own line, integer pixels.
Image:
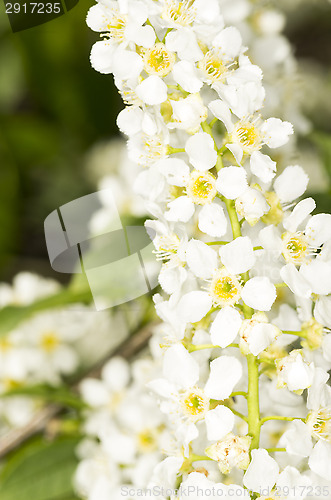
[{"x": 54, "y": 107}]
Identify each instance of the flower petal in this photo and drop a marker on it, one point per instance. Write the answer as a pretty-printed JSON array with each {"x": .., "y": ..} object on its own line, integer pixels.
[
  {"x": 232, "y": 182},
  {"x": 259, "y": 293},
  {"x": 201, "y": 151},
  {"x": 219, "y": 422},
  {"x": 225, "y": 373},
  {"x": 193, "y": 306},
  {"x": 212, "y": 220},
  {"x": 238, "y": 256},
  {"x": 180, "y": 367},
  {"x": 201, "y": 259},
  {"x": 225, "y": 326},
  {"x": 152, "y": 90},
  {"x": 291, "y": 183},
  {"x": 262, "y": 472}
]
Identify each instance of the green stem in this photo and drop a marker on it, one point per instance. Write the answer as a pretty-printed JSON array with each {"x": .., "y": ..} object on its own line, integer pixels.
[
  {"x": 193, "y": 348},
  {"x": 238, "y": 393},
  {"x": 300, "y": 333},
  {"x": 213, "y": 121},
  {"x": 272, "y": 450},
  {"x": 236, "y": 230},
  {"x": 237, "y": 413},
  {"x": 279, "y": 417},
  {"x": 172, "y": 150},
  {"x": 198, "y": 458},
  {"x": 217, "y": 242},
  {"x": 253, "y": 400},
  {"x": 253, "y": 418},
  {"x": 206, "y": 128}
]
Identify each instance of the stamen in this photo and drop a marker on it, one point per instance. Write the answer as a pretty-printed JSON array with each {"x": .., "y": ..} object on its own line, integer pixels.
[
  {"x": 201, "y": 187},
  {"x": 159, "y": 60},
  {"x": 225, "y": 288},
  {"x": 49, "y": 341},
  {"x": 194, "y": 404},
  {"x": 182, "y": 13},
  {"x": 295, "y": 247},
  {"x": 247, "y": 134},
  {"x": 116, "y": 27},
  {"x": 213, "y": 66},
  {"x": 319, "y": 423}
]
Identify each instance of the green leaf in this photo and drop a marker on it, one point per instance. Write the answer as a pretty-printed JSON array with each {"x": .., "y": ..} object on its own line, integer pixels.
[
  {"x": 40, "y": 470},
  {"x": 48, "y": 393}
]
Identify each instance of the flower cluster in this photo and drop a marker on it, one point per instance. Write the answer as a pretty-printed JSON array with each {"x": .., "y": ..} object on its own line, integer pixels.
[
  {"x": 41, "y": 350},
  {"x": 125, "y": 432},
  {"x": 244, "y": 340}
]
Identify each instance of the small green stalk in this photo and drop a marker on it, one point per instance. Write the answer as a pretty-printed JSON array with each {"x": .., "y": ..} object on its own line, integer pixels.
[
  {"x": 253, "y": 404},
  {"x": 253, "y": 400}
]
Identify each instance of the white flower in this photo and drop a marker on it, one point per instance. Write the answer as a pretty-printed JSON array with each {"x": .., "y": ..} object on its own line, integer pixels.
[
  {"x": 291, "y": 183},
  {"x": 193, "y": 306},
  {"x": 201, "y": 259},
  {"x": 158, "y": 60},
  {"x": 262, "y": 166},
  {"x": 152, "y": 90},
  {"x": 186, "y": 75},
  {"x": 176, "y": 14},
  {"x": 232, "y": 182},
  {"x": 115, "y": 377},
  {"x": 169, "y": 60},
  {"x": 218, "y": 386},
  {"x": 313, "y": 277},
  {"x": 232, "y": 451},
  {"x": 320, "y": 459},
  {"x": 121, "y": 24},
  {"x": 238, "y": 256},
  {"x": 294, "y": 372},
  {"x": 225, "y": 326},
  {"x": 252, "y": 205},
  {"x": 212, "y": 220},
  {"x": 219, "y": 422},
  {"x": 249, "y": 134},
  {"x": 26, "y": 288},
  {"x": 146, "y": 149},
  {"x": 262, "y": 471},
  {"x": 51, "y": 336},
  {"x": 257, "y": 334},
  {"x": 200, "y": 190},
  {"x": 176, "y": 171},
  {"x": 225, "y": 288},
  {"x": 201, "y": 151},
  {"x": 297, "y": 483},
  {"x": 184, "y": 42},
  {"x": 124, "y": 64},
  {"x": 187, "y": 113},
  {"x": 297, "y": 439},
  {"x": 191, "y": 402},
  {"x": 259, "y": 293}
]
